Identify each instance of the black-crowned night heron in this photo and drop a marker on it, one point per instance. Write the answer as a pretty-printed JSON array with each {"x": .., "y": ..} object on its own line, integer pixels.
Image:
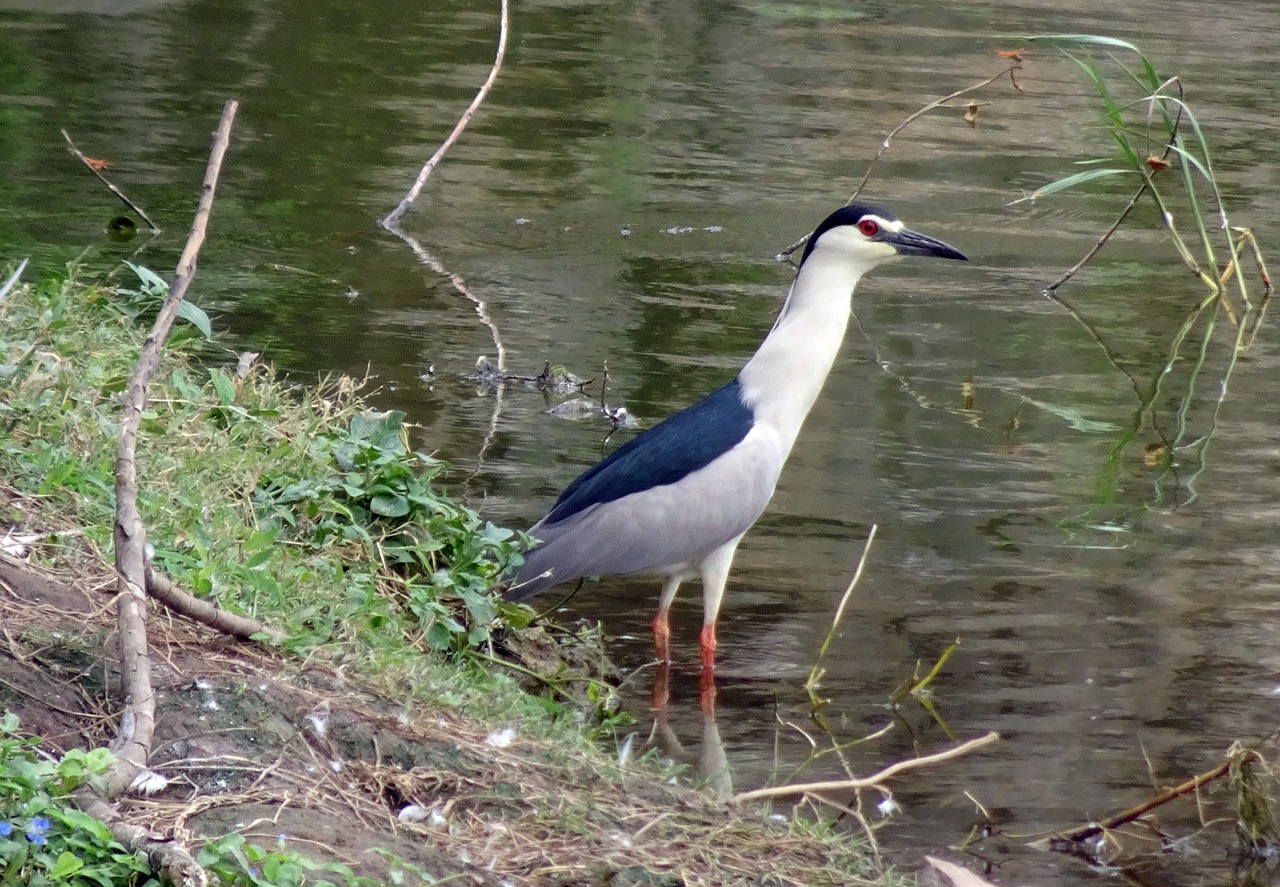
[{"x": 676, "y": 500}]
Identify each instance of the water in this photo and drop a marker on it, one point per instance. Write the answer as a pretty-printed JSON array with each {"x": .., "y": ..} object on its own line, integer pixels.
[{"x": 1113, "y": 623}]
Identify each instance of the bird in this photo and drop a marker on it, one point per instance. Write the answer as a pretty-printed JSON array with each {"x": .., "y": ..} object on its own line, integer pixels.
[{"x": 676, "y": 500}]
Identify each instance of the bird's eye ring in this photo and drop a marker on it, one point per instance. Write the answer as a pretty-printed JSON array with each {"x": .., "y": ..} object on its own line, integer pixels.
[{"x": 868, "y": 227}]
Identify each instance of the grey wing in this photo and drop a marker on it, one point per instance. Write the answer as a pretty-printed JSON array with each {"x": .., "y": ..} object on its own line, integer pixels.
[{"x": 664, "y": 529}]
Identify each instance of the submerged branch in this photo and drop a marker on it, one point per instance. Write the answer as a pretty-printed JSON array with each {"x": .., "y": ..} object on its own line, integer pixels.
[
  {"x": 94, "y": 167},
  {"x": 1112, "y": 822}
]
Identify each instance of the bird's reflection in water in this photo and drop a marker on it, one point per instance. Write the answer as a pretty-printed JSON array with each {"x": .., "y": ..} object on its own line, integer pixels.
[{"x": 708, "y": 762}]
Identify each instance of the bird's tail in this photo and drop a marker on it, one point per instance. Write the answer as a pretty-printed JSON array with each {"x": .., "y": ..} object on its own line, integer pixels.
[{"x": 535, "y": 575}]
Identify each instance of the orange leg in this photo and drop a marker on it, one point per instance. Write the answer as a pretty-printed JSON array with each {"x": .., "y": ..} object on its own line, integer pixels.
[
  {"x": 707, "y": 643},
  {"x": 661, "y": 627},
  {"x": 662, "y": 637}
]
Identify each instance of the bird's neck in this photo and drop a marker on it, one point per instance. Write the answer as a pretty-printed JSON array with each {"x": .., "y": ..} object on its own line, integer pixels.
[{"x": 782, "y": 381}]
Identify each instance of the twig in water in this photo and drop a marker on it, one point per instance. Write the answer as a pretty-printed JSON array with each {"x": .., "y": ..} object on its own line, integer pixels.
[
  {"x": 1112, "y": 822},
  {"x": 817, "y": 671},
  {"x": 1124, "y": 214},
  {"x": 1015, "y": 64},
  {"x": 392, "y": 221},
  {"x": 784, "y": 791},
  {"x": 93, "y": 168}
]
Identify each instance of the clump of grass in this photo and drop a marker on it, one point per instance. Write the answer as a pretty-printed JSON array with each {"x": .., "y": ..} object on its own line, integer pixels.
[
  {"x": 274, "y": 500},
  {"x": 1153, "y": 130},
  {"x": 45, "y": 840},
  {"x": 1158, "y": 143}
]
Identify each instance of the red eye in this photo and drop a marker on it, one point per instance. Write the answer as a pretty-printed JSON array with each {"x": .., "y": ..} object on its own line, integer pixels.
[{"x": 868, "y": 227}]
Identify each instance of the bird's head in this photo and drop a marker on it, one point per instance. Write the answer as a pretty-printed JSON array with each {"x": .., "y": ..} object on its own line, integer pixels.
[{"x": 868, "y": 236}]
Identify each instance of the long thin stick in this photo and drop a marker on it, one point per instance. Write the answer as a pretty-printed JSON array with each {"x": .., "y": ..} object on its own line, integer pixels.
[
  {"x": 13, "y": 279},
  {"x": 816, "y": 673},
  {"x": 393, "y": 219},
  {"x": 1014, "y": 65},
  {"x": 114, "y": 190},
  {"x": 133, "y": 743},
  {"x": 784, "y": 791}
]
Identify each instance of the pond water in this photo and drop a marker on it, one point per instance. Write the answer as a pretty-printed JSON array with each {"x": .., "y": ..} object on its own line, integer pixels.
[{"x": 619, "y": 200}]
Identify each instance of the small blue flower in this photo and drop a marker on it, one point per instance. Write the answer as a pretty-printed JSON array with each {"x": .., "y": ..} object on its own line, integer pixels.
[
  {"x": 39, "y": 825},
  {"x": 6, "y": 829}
]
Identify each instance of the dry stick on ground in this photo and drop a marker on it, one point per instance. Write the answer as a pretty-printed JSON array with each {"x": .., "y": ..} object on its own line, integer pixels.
[
  {"x": 183, "y": 603},
  {"x": 804, "y": 788},
  {"x": 114, "y": 190},
  {"x": 393, "y": 220},
  {"x": 132, "y": 745},
  {"x": 1014, "y": 65}
]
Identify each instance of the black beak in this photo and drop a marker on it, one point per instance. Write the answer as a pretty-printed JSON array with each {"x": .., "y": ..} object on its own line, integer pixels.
[{"x": 913, "y": 243}]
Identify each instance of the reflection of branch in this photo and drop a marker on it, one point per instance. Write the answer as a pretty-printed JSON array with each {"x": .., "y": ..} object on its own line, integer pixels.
[
  {"x": 783, "y": 791},
  {"x": 1014, "y": 65},
  {"x": 393, "y": 220},
  {"x": 392, "y": 224},
  {"x": 93, "y": 168}
]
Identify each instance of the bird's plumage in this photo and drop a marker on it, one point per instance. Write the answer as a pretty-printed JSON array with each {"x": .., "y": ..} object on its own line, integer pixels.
[{"x": 676, "y": 500}]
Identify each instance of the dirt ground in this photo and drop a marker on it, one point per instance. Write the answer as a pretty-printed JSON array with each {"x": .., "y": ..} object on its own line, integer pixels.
[{"x": 290, "y": 752}]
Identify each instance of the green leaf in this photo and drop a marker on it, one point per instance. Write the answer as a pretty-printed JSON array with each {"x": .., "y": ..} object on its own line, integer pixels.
[
  {"x": 1084, "y": 40},
  {"x": 1071, "y": 181},
  {"x": 224, "y": 387},
  {"x": 194, "y": 315},
  {"x": 389, "y": 505},
  {"x": 383, "y": 431},
  {"x": 151, "y": 282},
  {"x": 1074, "y": 417},
  {"x": 68, "y": 864}
]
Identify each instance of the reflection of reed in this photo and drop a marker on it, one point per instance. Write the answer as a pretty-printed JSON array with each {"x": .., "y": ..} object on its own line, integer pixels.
[{"x": 1182, "y": 444}]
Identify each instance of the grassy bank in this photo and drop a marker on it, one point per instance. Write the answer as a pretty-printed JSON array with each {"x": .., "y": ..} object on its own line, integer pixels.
[{"x": 384, "y": 720}]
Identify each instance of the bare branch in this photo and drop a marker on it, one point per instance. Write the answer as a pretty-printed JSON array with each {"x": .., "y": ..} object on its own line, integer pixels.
[
  {"x": 803, "y": 788},
  {"x": 94, "y": 168},
  {"x": 393, "y": 219},
  {"x": 184, "y": 603},
  {"x": 132, "y": 744}
]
